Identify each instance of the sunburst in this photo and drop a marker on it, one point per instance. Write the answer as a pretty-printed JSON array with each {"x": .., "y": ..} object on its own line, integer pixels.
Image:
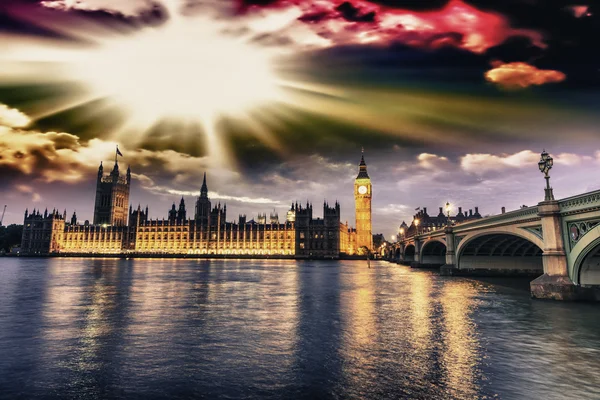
[{"x": 189, "y": 70}]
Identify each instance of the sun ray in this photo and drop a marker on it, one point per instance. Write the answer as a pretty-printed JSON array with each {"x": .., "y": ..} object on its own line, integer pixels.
[
  {"x": 49, "y": 107},
  {"x": 187, "y": 69},
  {"x": 262, "y": 132}
]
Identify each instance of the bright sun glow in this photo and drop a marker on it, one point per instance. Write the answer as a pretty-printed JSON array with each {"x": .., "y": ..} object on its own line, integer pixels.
[{"x": 180, "y": 70}]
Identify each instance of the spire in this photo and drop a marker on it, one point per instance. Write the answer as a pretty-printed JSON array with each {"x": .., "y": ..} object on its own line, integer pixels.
[
  {"x": 362, "y": 167},
  {"x": 182, "y": 202},
  {"x": 204, "y": 189}
]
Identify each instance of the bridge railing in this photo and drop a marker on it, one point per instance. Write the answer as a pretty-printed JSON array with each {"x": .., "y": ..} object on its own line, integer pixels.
[
  {"x": 567, "y": 205},
  {"x": 516, "y": 215},
  {"x": 522, "y": 213},
  {"x": 580, "y": 201}
]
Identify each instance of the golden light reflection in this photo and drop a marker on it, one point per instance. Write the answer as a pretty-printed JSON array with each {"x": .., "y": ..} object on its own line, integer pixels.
[
  {"x": 362, "y": 307},
  {"x": 461, "y": 346},
  {"x": 361, "y": 331},
  {"x": 98, "y": 323},
  {"x": 61, "y": 306},
  {"x": 421, "y": 331},
  {"x": 157, "y": 297}
]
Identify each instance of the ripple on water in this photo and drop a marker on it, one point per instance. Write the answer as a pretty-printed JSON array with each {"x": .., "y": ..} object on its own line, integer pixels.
[{"x": 281, "y": 329}]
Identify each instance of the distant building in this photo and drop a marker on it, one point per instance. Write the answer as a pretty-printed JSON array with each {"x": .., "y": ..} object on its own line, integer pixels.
[
  {"x": 428, "y": 223},
  {"x": 121, "y": 230}
]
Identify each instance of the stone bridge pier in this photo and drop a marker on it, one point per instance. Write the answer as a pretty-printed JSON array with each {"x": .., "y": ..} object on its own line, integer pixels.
[
  {"x": 556, "y": 243},
  {"x": 555, "y": 282}
]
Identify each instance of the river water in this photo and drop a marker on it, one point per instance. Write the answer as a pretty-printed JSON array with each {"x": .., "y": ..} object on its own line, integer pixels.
[{"x": 281, "y": 329}]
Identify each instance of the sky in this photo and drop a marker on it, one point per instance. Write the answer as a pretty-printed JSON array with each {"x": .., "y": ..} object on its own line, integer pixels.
[{"x": 452, "y": 101}]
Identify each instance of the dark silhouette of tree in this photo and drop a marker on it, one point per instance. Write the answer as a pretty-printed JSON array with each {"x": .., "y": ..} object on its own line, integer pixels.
[{"x": 10, "y": 236}]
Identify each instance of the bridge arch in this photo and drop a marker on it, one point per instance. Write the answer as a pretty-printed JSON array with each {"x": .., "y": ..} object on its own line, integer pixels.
[
  {"x": 409, "y": 252},
  {"x": 397, "y": 254},
  {"x": 501, "y": 251},
  {"x": 586, "y": 253},
  {"x": 433, "y": 253}
]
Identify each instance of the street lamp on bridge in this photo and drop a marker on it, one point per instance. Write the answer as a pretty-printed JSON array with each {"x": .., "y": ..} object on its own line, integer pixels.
[
  {"x": 545, "y": 165},
  {"x": 401, "y": 236},
  {"x": 417, "y": 222},
  {"x": 448, "y": 209}
]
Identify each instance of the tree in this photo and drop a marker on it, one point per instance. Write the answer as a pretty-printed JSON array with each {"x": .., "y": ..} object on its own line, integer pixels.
[{"x": 10, "y": 236}]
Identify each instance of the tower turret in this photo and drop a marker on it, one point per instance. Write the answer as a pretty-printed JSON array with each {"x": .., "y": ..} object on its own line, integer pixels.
[
  {"x": 172, "y": 214},
  {"x": 112, "y": 196},
  {"x": 181, "y": 213},
  {"x": 362, "y": 199}
]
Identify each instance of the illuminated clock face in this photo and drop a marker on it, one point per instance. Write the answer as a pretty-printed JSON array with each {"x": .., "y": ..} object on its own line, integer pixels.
[{"x": 362, "y": 189}]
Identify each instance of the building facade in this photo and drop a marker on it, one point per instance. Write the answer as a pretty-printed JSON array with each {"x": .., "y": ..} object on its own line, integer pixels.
[{"x": 207, "y": 232}]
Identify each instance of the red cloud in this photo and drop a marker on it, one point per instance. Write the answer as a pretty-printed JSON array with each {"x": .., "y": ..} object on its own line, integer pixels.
[
  {"x": 456, "y": 24},
  {"x": 580, "y": 11},
  {"x": 517, "y": 75}
]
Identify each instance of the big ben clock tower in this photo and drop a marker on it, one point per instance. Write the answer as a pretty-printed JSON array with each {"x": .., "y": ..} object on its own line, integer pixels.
[{"x": 362, "y": 200}]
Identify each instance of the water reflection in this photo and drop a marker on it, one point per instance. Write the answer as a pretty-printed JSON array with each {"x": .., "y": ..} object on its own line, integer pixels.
[
  {"x": 360, "y": 328},
  {"x": 461, "y": 347},
  {"x": 423, "y": 340},
  {"x": 318, "y": 333},
  {"x": 75, "y": 328}
]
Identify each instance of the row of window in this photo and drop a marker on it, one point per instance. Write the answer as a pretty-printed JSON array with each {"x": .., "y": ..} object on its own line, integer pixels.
[
  {"x": 318, "y": 235},
  {"x": 214, "y": 246},
  {"x": 213, "y": 237},
  {"x": 317, "y": 246}
]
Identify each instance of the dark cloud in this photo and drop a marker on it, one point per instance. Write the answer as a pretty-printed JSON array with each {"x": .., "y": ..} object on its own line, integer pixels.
[
  {"x": 417, "y": 5},
  {"x": 352, "y": 13},
  {"x": 517, "y": 48}
]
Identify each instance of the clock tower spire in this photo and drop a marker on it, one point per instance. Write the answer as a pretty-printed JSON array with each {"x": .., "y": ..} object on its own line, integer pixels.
[{"x": 362, "y": 200}]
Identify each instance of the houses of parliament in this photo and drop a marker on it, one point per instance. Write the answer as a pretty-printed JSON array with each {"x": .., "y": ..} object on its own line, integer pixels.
[{"x": 118, "y": 228}]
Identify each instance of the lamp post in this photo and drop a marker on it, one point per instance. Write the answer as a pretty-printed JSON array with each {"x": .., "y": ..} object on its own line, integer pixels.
[
  {"x": 401, "y": 236},
  {"x": 448, "y": 208},
  {"x": 545, "y": 165},
  {"x": 417, "y": 222}
]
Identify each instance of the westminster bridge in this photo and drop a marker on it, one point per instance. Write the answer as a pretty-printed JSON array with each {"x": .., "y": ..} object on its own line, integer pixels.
[{"x": 557, "y": 240}]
